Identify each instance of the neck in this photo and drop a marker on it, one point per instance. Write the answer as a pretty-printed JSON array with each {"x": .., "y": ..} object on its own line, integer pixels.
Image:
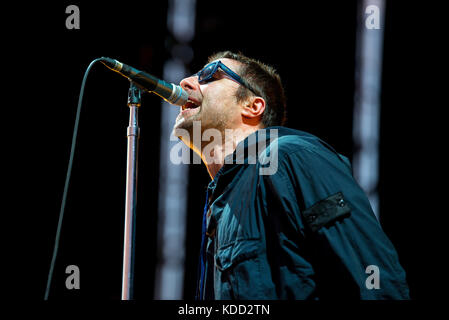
[{"x": 213, "y": 154}]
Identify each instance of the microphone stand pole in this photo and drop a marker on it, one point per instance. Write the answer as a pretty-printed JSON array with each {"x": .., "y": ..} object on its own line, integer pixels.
[{"x": 134, "y": 102}]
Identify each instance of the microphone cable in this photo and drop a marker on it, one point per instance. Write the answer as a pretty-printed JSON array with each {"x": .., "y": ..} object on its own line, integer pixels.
[{"x": 67, "y": 180}]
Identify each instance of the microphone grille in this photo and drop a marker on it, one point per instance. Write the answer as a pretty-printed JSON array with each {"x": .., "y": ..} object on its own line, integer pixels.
[{"x": 179, "y": 96}]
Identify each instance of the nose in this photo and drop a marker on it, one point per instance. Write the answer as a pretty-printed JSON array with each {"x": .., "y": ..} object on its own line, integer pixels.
[{"x": 190, "y": 83}]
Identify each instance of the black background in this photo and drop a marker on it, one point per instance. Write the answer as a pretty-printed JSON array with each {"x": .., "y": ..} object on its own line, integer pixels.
[{"x": 311, "y": 44}]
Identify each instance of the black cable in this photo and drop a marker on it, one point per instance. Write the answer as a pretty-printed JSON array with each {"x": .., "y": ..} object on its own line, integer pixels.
[{"x": 67, "y": 180}]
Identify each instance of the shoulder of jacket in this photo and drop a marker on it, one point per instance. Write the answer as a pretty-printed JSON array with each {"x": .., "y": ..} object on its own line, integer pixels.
[{"x": 288, "y": 144}]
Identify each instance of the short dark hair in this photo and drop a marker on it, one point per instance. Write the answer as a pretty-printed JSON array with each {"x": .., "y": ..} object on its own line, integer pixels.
[{"x": 266, "y": 83}]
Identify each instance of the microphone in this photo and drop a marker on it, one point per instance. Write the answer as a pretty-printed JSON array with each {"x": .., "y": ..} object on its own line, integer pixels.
[{"x": 170, "y": 92}]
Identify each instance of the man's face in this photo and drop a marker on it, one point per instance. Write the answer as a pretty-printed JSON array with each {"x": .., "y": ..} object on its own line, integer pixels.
[{"x": 213, "y": 102}]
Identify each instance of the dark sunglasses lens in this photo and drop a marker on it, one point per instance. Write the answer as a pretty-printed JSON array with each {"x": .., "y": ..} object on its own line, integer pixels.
[{"x": 206, "y": 73}]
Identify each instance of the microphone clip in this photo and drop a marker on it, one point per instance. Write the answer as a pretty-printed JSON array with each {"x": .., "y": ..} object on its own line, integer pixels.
[{"x": 134, "y": 95}]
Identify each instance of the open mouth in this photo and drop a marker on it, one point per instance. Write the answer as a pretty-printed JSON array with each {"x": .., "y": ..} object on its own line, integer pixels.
[{"x": 190, "y": 105}]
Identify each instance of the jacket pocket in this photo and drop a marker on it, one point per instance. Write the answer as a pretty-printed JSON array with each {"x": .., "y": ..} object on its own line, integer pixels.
[
  {"x": 242, "y": 272},
  {"x": 234, "y": 253}
]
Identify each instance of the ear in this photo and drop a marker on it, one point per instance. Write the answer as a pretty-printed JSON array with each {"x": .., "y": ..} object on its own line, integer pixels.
[{"x": 253, "y": 108}]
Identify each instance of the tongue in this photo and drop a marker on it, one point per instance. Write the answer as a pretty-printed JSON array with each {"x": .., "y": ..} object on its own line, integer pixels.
[{"x": 191, "y": 105}]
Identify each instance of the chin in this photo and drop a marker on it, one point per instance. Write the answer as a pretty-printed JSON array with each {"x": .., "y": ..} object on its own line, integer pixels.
[{"x": 183, "y": 129}]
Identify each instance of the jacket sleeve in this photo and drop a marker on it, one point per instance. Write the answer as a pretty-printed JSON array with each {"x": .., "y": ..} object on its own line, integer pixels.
[{"x": 322, "y": 219}]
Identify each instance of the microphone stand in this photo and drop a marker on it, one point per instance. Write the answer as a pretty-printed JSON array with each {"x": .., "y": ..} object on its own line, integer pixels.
[{"x": 134, "y": 102}]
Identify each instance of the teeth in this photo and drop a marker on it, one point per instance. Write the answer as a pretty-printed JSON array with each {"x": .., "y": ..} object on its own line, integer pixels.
[
  {"x": 189, "y": 105},
  {"x": 194, "y": 103}
]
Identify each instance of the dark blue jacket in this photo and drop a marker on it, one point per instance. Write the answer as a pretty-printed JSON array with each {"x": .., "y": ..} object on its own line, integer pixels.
[{"x": 289, "y": 221}]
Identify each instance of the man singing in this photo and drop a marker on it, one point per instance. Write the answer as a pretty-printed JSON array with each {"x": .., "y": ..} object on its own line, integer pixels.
[{"x": 284, "y": 217}]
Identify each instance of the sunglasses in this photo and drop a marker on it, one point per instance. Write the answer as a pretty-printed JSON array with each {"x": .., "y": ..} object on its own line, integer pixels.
[{"x": 209, "y": 70}]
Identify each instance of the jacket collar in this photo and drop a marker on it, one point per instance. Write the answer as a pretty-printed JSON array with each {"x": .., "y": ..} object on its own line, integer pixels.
[{"x": 246, "y": 153}]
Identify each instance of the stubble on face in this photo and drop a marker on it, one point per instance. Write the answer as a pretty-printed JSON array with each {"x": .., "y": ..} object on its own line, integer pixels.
[
  {"x": 217, "y": 108},
  {"x": 204, "y": 120},
  {"x": 215, "y": 113}
]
